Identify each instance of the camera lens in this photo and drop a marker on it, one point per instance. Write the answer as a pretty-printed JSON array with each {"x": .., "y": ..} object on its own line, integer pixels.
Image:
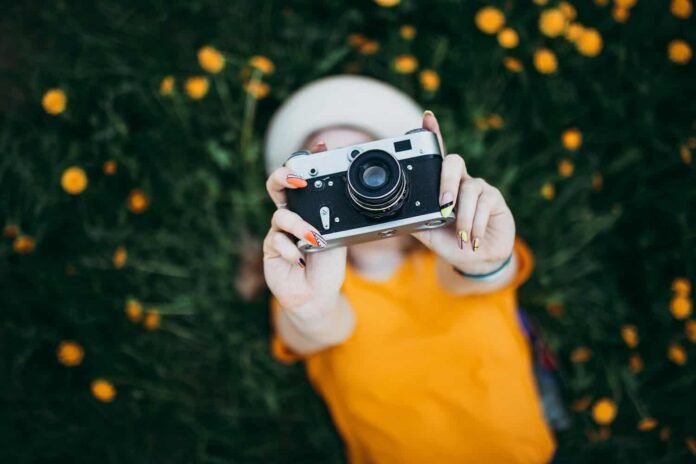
[{"x": 377, "y": 186}]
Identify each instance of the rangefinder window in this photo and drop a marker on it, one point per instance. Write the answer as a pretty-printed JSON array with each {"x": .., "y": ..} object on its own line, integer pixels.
[{"x": 402, "y": 145}]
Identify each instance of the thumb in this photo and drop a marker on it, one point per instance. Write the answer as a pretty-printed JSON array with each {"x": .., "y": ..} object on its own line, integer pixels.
[{"x": 430, "y": 123}]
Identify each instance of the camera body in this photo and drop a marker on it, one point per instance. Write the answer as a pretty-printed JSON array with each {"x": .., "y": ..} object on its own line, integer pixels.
[{"x": 370, "y": 191}]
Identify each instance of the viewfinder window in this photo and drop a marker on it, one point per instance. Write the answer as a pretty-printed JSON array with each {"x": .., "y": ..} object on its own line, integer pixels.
[{"x": 402, "y": 145}]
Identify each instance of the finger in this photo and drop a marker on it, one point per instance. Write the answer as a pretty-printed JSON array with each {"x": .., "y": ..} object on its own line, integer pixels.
[
  {"x": 469, "y": 193},
  {"x": 279, "y": 244},
  {"x": 487, "y": 202},
  {"x": 430, "y": 123},
  {"x": 287, "y": 221},
  {"x": 450, "y": 179},
  {"x": 319, "y": 147},
  {"x": 281, "y": 179}
]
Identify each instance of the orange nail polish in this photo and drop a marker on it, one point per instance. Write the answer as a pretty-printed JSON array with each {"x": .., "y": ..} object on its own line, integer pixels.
[
  {"x": 296, "y": 181},
  {"x": 315, "y": 239}
]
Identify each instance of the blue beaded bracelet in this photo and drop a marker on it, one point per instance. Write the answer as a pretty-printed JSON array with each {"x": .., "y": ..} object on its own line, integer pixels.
[{"x": 488, "y": 275}]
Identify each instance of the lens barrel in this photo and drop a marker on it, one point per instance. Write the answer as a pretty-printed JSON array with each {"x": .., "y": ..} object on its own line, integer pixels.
[{"x": 377, "y": 185}]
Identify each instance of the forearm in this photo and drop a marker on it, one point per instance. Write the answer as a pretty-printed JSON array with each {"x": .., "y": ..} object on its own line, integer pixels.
[
  {"x": 318, "y": 330},
  {"x": 455, "y": 283}
]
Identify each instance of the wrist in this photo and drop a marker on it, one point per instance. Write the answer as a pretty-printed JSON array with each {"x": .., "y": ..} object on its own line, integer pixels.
[{"x": 482, "y": 267}]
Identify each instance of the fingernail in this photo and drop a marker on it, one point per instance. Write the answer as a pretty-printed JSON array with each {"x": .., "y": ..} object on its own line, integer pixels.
[
  {"x": 301, "y": 263},
  {"x": 463, "y": 238},
  {"x": 428, "y": 113},
  {"x": 296, "y": 181},
  {"x": 315, "y": 239},
  {"x": 476, "y": 244},
  {"x": 446, "y": 204}
]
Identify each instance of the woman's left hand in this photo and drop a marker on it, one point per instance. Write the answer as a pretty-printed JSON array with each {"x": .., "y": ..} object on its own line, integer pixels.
[{"x": 483, "y": 234}]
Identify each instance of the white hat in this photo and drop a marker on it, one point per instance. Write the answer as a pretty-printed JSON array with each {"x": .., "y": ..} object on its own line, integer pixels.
[{"x": 353, "y": 101}]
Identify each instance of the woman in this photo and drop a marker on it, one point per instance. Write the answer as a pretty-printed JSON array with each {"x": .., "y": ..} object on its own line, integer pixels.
[{"x": 416, "y": 349}]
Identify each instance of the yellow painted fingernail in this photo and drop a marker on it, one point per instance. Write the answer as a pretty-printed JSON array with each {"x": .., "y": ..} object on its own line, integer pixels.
[
  {"x": 464, "y": 235},
  {"x": 476, "y": 244}
]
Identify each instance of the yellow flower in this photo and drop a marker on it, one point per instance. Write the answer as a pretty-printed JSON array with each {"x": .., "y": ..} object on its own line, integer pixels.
[
  {"x": 679, "y": 51},
  {"x": 604, "y": 411},
  {"x": 23, "y": 244},
  {"x": 262, "y": 63},
  {"x": 681, "y": 8},
  {"x": 590, "y": 42},
  {"x": 481, "y": 123},
  {"x": 685, "y": 154},
  {"x": 258, "y": 89},
  {"x": 387, "y": 3},
  {"x": 573, "y": 32},
  {"x": 568, "y": 10},
  {"x": 211, "y": 59},
  {"x": 581, "y": 354},
  {"x": 134, "y": 310},
  {"x": 620, "y": 14},
  {"x": 110, "y": 167},
  {"x": 407, "y": 32},
  {"x": 356, "y": 39},
  {"x": 197, "y": 87},
  {"x": 555, "y": 309},
  {"x": 103, "y": 390},
  {"x": 548, "y": 191},
  {"x": 429, "y": 80},
  {"x": 581, "y": 404},
  {"x": 152, "y": 319},
  {"x": 625, "y": 3},
  {"x": 566, "y": 168},
  {"x": 54, "y": 101},
  {"x": 70, "y": 353},
  {"x": 138, "y": 202},
  {"x": 552, "y": 22},
  {"x": 677, "y": 354},
  {"x": 370, "y": 47},
  {"x": 571, "y": 139},
  {"x": 508, "y": 38},
  {"x": 74, "y": 180},
  {"x": 629, "y": 333},
  {"x": 512, "y": 64},
  {"x": 597, "y": 181},
  {"x": 166, "y": 85},
  {"x": 495, "y": 121},
  {"x": 10, "y": 230},
  {"x": 405, "y": 64},
  {"x": 120, "y": 257},
  {"x": 635, "y": 363},
  {"x": 489, "y": 20},
  {"x": 690, "y": 330},
  {"x": 540, "y": 2},
  {"x": 681, "y": 307},
  {"x": 646, "y": 424},
  {"x": 545, "y": 61}
]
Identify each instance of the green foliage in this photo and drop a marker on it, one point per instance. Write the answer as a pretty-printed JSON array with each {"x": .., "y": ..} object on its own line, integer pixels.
[{"x": 203, "y": 387}]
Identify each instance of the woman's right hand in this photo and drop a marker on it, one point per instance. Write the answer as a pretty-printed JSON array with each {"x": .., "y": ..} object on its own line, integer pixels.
[{"x": 309, "y": 284}]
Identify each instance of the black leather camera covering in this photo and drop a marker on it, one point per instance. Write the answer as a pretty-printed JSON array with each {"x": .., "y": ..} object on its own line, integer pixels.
[{"x": 424, "y": 187}]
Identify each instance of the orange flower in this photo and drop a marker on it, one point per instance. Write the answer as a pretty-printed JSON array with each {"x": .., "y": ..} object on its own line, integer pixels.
[
  {"x": 152, "y": 319},
  {"x": 568, "y": 10},
  {"x": 581, "y": 354},
  {"x": 387, "y": 3},
  {"x": 629, "y": 333},
  {"x": 489, "y": 20},
  {"x": 677, "y": 354},
  {"x": 635, "y": 363},
  {"x": 138, "y": 202},
  {"x": 590, "y": 42},
  {"x": 679, "y": 51},
  {"x": 548, "y": 191},
  {"x": 571, "y": 139},
  {"x": 134, "y": 310},
  {"x": 74, "y": 180},
  {"x": 545, "y": 61},
  {"x": 356, "y": 39},
  {"x": 211, "y": 59},
  {"x": 10, "y": 230},
  {"x": 620, "y": 14},
  {"x": 552, "y": 22},
  {"x": 257, "y": 89},
  {"x": 407, "y": 32},
  {"x": 54, "y": 101},
  {"x": 512, "y": 64},
  {"x": 681, "y": 307},
  {"x": 681, "y": 9},
  {"x": 508, "y": 38},
  {"x": 604, "y": 411},
  {"x": 197, "y": 87},
  {"x": 566, "y": 168},
  {"x": 23, "y": 244},
  {"x": 690, "y": 329},
  {"x": 120, "y": 257},
  {"x": 70, "y": 353},
  {"x": 646, "y": 424},
  {"x": 109, "y": 167},
  {"x": 262, "y": 63},
  {"x": 103, "y": 390},
  {"x": 625, "y": 3},
  {"x": 370, "y": 47},
  {"x": 166, "y": 85},
  {"x": 573, "y": 32},
  {"x": 685, "y": 154},
  {"x": 429, "y": 80},
  {"x": 581, "y": 404},
  {"x": 405, "y": 64}
]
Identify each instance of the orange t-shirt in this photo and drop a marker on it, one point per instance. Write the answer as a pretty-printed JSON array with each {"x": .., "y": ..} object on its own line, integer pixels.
[{"x": 428, "y": 376}]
